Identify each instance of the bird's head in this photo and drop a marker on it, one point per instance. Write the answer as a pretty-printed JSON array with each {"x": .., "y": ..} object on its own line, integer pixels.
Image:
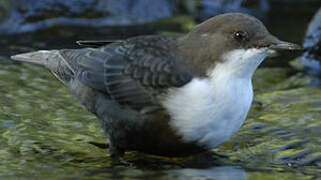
[{"x": 238, "y": 41}]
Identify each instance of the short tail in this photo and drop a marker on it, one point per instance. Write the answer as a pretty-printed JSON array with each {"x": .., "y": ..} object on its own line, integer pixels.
[{"x": 39, "y": 57}]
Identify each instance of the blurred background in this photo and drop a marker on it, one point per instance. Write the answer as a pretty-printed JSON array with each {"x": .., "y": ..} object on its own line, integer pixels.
[
  {"x": 58, "y": 23},
  {"x": 45, "y": 133}
]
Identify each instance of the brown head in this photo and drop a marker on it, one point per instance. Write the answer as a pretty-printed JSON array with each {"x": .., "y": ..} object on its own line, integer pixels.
[{"x": 209, "y": 42}]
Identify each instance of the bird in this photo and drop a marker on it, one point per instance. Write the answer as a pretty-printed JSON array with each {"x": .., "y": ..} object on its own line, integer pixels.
[{"x": 167, "y": 96}]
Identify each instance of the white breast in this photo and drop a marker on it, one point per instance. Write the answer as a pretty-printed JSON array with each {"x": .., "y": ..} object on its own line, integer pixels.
[{"x": 210, "y": 110}]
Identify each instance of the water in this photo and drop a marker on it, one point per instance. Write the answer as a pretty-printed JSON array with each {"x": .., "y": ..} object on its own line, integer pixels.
[{"x": 46, "y": 134}]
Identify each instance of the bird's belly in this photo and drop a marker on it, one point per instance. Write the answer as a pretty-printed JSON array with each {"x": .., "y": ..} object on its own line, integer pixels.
[
  {"x": 207, "y": 115},
  {"x": 225, "y": 123}
]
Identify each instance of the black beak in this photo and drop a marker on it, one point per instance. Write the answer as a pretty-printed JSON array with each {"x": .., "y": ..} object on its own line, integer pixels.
[{"x": 282, "y": 45}]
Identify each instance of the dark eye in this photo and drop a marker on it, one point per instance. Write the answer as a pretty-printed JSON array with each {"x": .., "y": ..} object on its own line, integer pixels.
[{"x": 240, "y": 35}]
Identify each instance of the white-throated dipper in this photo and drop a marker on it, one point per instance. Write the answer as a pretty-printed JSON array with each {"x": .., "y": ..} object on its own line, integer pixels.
[{"x": 164, "y": 95}]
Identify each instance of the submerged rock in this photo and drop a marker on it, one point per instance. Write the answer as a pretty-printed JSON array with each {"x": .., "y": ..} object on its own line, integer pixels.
[{"x": 311, "y": 58}]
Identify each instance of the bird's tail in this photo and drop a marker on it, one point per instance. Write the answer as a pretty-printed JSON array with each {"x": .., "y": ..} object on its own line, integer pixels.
[{"x": 38, "y": 57}]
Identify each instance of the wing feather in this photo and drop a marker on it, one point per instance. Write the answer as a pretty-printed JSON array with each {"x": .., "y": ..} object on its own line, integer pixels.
[{"x": 133, "y": 73}]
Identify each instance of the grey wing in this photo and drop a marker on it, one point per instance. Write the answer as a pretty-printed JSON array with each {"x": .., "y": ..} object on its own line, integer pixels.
[{"x": 133, "y": 78}]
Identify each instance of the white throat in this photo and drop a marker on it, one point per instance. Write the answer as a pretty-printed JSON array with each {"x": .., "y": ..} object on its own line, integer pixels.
[
  {"x": 242, "y": 63},
  {"x": 210, "y": 110}
]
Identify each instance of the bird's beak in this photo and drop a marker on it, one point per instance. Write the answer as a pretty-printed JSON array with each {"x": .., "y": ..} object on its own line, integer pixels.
[
  {"x": 273, "y": 43},
  {"x": 282, "y": 45}
]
